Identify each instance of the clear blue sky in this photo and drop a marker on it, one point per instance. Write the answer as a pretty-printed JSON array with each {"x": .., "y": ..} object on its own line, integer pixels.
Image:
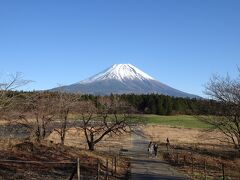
[{"x": 180, "y": 43}]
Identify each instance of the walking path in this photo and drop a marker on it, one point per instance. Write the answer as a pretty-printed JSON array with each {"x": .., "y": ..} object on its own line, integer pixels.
[{"x": 144, "y": 167}]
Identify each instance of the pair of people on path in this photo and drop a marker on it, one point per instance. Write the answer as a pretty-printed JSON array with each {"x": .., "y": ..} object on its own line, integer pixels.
[{"x": 152, "y": 148}]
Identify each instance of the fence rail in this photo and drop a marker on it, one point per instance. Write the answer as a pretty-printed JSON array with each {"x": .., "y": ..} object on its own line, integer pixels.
[
  {"x": 201, "y": 168},
  {"x": 36, "y": 162},
  {"x": 80, "y": 170}
]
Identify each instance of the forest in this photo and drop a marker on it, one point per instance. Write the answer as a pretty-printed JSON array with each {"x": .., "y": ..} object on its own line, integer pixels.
[{"x": 145, "y": 104}]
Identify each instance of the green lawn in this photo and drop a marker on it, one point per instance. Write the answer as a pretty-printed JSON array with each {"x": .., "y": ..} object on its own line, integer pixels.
[{"x": 176, "y": 121}]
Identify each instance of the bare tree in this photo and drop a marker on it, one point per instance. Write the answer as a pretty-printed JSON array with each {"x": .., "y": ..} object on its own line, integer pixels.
[
  {"x": 105, "y": 117},
  {"x": 226, "y": 91},
  {"x": 36, "y": 112},
  {"x": 7, "y": 86},
  {"x": 65, "y": 104}
]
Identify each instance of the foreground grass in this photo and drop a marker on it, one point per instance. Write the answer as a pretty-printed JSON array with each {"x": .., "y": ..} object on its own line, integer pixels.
[{"x": 185, "y": 121}]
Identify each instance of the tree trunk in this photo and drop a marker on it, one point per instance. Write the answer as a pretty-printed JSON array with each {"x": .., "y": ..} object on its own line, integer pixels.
[
  {"x": 91, "y": 146},
  {"x": 43, "y": 130},
  {"x": 37, "y": 134},
  {"x": 37, "y": 131},
  {"x": 91, "y": 143},
  {"x": 62, "y": 140}
]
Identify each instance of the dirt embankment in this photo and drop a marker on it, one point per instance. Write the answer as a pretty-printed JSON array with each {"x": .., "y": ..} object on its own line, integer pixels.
[{"x": 52, "y": 161}]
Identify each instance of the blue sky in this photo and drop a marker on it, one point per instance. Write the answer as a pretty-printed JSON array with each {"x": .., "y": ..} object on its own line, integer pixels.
[{"x": 180, "y": 43}]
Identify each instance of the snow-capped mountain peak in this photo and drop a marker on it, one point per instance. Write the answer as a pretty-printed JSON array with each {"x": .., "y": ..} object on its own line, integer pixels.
[
  {"x": 120, "y": 72},
  {"x": 122, "y": 79}
]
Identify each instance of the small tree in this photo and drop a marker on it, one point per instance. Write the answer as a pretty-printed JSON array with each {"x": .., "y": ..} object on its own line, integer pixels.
[
  {"x": 65, "y": 104},
  {"x": 226, "y": 91},
  {"x": 107, "y": 118},
  {"x": 7, "y": 96},
  {"x": 37, "y": 110}
]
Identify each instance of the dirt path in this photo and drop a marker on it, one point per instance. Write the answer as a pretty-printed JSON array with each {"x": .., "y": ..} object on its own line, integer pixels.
[{"x": 144, "y": 167}]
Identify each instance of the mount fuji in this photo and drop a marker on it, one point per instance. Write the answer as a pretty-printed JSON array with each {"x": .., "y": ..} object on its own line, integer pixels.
[{"x": 122, "y": 79}]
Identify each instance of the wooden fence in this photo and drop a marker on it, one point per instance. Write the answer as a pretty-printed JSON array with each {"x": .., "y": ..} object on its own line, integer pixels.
[
  {"x": 80, "y": 170},
  {"x": 201, "y": 169}
]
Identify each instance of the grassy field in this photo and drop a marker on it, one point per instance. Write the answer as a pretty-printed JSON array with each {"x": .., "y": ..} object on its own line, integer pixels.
[
  {"x": 185, "y": 121},
  {"x": 176, "y": 121}
]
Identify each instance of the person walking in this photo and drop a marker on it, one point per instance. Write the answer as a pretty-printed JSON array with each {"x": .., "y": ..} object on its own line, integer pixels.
[
  {"x": 150, "y": 148},
  {"x": 155, "y": 148},
  {"x": 168, "y": 143}
]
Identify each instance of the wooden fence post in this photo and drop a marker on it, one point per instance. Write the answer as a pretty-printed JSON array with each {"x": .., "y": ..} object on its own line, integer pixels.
[
  {"x": 129, "y": 171},
  {"x": 115, "y": 164},
  {"x": 107, "y": 170},
  {"x": 184, "y": 160},
  {"x": 112, "y": 165},
  {"x": 223, "y": 172},
  {"x": 73, "y": 172},
  {"x": 177, "y": 158},
  {"x": 78, "y": 169},
  {"x": 192, "y": 163},
  {"x": 98, "y": 170},
  {"x": 205, "y": 170}
]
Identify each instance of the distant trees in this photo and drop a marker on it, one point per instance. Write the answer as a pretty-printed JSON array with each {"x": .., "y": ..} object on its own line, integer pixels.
[
  {"x": 166, "y": 105},
  {"x": 226, "y": 91}
]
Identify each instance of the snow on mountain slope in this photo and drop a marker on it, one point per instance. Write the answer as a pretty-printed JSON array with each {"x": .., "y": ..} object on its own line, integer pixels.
[
  {"x": 123, "y": 79},
  {"x": 121, "y": 72}
]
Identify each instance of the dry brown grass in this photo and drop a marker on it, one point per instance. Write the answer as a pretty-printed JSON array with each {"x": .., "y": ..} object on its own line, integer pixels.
[
  {"x": 8, "y": 143},
  {"x": 50, "y": 150},
  {"x": 199, "y": 141},
  {"x": 201, "y": 145},
  {"x": 46, "y": 152},
  {"x": 76, "y": 138},
  {"x": 183, "y": 136},
  {"x": 158, "y": 133},
  {"x": 4, "y": 122}
]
